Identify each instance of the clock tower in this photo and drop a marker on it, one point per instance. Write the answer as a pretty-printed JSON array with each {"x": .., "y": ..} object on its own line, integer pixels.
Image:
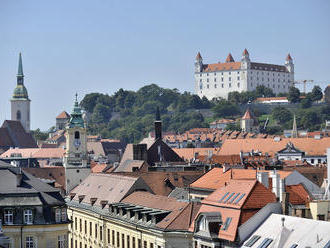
[{"x": 75, "y": 158}]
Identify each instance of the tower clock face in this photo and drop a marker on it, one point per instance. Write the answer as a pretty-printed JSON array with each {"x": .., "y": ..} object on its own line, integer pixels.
[{"x": 77, "y": 143}]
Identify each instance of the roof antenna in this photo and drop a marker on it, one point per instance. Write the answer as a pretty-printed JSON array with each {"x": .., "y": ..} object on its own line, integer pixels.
[{"x": 282, "y": 219}]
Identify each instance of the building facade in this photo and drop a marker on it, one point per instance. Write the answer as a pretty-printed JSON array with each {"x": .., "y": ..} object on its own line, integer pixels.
[
  {"x": 20, "y": 102},
  {"x": 32, "y": 212},
  {"x": 219, "y": 79}
]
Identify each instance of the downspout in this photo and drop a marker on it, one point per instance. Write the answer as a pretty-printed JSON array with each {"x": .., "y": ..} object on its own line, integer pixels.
[{"x": 22, "y": 236}]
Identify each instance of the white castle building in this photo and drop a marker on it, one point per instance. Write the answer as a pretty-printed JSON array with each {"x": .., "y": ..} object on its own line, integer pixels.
[{"x": 217, "y": 80}]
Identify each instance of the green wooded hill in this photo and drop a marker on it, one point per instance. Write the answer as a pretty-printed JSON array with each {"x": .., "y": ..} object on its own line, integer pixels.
[{"x": 129, "y": 115}]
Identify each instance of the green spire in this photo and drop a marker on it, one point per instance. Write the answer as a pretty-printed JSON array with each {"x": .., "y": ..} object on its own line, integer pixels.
[
  {"x": 20, "y": 91},
  {"x": 20, "y": 66},
  {"x": 76, "y": 119}
]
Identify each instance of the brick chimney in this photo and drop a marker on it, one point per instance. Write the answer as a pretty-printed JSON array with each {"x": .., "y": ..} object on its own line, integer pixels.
[{"x": 158, "y": 125}]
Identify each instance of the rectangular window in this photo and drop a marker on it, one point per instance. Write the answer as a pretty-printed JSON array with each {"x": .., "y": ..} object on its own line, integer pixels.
[
  {"x": 123, "y": 240},
  {"x": 215, "y": 79},
  {"x": 9, "y": 216},
  {"x": 101, "y": 233},
  {"x": 90, "y": 229},
  {"x": 139, "y": 243},
  {"x": 230, "y": 73},
  {"x": 64, "y": 215},
  {"x": 221, "y": 85},
  {"x": 151, "y": 245},
  {"x": 265, "y": 243},
  {"x": 113, "y": 237},
  {"x": 229, "y": 85},
  {"x": 57, "y": 215},
  {"x": 61, "y": 241},
  {"x": 85, "y": 227},
  {"x": 133, "y": 242},
  {"x": 118, "y": 239},
  {"x": 145, "y": 244},
  {"x": 28, "y": 216},
  {"x": 221, "y": 79},
  {"x": 208, "y": 86},
  {"x": 75, "y": 223},
  {"x": 128, "y": 241},
  {"x": 200, "y": 80},
  {"x": 80, "y": 225},
  {"x": 207, "y": 80},
  {"x": 229, "y": 78},
  {"x": 238, "y": 78},
  {"x": 29, "y": 242},
  {"x": 238, "y": 85},
  {"x": 215, "y": 86},
  {"x": 95, "y": 230},
  {"x": 108, "y": 236}
]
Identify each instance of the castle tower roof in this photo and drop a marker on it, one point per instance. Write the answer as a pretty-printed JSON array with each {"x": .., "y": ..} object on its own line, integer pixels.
[
  {"x": 198, "y": 56},
  {"x": 245, "y": 52},
  {"x": 229, "y": 58},
  {"x": 288, "y": 57}
]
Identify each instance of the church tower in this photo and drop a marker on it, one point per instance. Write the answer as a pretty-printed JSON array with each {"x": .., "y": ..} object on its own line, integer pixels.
[
  {"x": 75, "y": 158},
  {"x": 20, "y": 102},
  {"x": 76, "y": 139}
]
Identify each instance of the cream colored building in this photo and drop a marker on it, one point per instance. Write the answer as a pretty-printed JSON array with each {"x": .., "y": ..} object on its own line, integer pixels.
[
  {"x": 120, "y": 211},
  {"x": 33, "y": 214}
]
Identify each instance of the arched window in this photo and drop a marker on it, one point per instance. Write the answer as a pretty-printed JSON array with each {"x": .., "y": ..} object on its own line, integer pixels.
[
  {"x": 76, "y": 135},
  {"x": 18, "y": 115}
]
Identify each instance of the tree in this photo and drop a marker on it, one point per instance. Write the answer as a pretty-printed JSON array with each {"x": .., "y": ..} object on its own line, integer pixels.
[
  {"x": 224, "y": 109},
  {"x": 307, "y": 101},
  {"x": 101, "y": 113},
  {"x": 39, "y": 135},
  {"x": 294, "y": 95},
  {"x": 281, "y": 114},
  {"x": 89, "y": 101},
  {"x": 316, "y": 93},
  {"x": 310, "y": 119},
  {"x": 263, "y": 91}
]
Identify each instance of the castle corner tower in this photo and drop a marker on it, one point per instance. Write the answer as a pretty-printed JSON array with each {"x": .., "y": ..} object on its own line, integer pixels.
[{"x": 20, "y": 102}]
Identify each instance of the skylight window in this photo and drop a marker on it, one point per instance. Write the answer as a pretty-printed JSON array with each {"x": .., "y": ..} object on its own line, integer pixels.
[
  {"x": 223, "y": 197},
  {"x": 265, "y": 243},
  {"x": 233, "y": 199},
  {"x": 252, "y": 241},
  {"x": 239, "y": 198},
  {"x": 227, "y": 223},
  {"x": 228, "y": 197},
  {"x": 293, "y": 246}
]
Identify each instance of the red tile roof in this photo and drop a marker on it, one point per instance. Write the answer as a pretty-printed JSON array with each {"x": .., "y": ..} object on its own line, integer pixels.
[
  {"x": 298, "y": 195},
  {"x": 310, "y": 146},
  {"x": 247, "y": 115},
  {"x": 222, "y": 66},
  {"x": 288, "y": 57},
  {"x": 63, "y": 115},
  {"x": 245, "y": 52},
  {"x": 181, "y": 213},
  {"x": 35, "y": 152}
]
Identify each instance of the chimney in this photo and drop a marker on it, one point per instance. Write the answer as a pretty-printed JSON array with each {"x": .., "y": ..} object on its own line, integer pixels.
[
  {"x": 281, "y": 189},
  {"x": 262, "y": 177},
  {"x": 276, "y": 183},
  {"x": 19, "y": 177},
  {"x": 158, "y": 125},
  {"x": 285, "y": 203}
]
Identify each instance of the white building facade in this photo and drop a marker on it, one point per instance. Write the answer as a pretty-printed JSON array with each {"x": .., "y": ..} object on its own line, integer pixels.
[{"x": 217, "y": 80}]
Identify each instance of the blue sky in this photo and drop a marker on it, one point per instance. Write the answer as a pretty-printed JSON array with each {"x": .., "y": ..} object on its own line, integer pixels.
[{"x": 100, "y": 46}]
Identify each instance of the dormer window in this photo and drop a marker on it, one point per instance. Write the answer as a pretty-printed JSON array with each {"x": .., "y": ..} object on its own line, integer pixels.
[
  {"x": 202, "y": 224},
  {"x": 63, "y": 213},
  {"x": 28, "y": 218}
]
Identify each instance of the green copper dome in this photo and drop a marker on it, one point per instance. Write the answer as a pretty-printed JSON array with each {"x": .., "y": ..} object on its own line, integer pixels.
[
  {"x": 76, "y": 119},
  {"x": 20, "y": 92}
]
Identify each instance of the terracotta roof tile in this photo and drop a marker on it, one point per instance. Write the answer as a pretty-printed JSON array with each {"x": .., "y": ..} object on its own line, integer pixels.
[
  {"x": 310, "y": 146},
  {"x": 222, "y": 66},
  {"x": 63, "y": 115},
  {"x": 298, "y": 195},
  {"x": 247, "y": 115},
  {"x": 229, "y": 58}
]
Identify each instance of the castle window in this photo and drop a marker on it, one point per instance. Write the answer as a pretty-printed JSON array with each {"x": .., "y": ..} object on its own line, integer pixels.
[
  {"x": 200, "y": 80},
  {"x": 229, "y": 78},
  {"x": 238, "y": 85},
  {"x": 215, "y": 74},
  {"x": 229, "y": 85},
  {"x": 221, "y": 85},
  {"x": 208, "y": 86},
  {"x": 238, "y": 78},
  {"x": 215, "y": 86},
  {"x": 207, "y": 80},
  {"x": 222, "y": 79},
  {"x": 215, "y": 80},
  {"x": 18, "y": 115},
  {"x": 201, "y": 86},
  {"x": 76, "y": 135},
  {"x": 230, "y": 73},
  {"x": 207, "y": 74}
]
